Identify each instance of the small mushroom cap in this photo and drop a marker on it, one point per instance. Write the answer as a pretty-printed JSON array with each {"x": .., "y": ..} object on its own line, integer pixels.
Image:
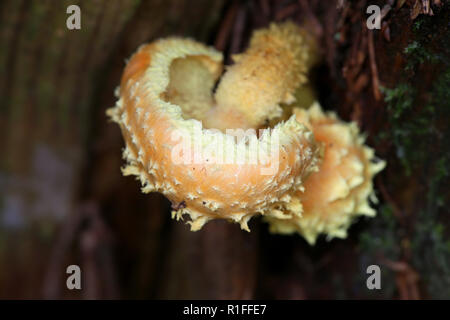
[
  {"x": 339, "y": 192},
  {"x": 265, "y": 75}
]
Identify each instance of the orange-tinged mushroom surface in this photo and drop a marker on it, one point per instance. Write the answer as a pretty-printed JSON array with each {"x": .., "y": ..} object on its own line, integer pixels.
[
  {"x": 308, "y": 172},
  {"x": 166, "y": 94},
  {"x": 340, "y": 190}
]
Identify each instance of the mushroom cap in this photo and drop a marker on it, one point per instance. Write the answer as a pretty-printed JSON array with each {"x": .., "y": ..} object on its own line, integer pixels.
[
  {"x": 266, "y": 74},
  {"x": 339, "y": 192},
  {"x": 166, "y": 87}
]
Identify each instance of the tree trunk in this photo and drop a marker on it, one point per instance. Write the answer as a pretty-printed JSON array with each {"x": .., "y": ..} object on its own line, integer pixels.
[{"x": 63, "y": 199}]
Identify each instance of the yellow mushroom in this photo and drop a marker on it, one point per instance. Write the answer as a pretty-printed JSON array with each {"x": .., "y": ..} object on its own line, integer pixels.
[
  {"x": 339, "y": 192},
  {"x": 267, "y": 74},
  {"x": 176, "y": 132},
  {"x": 166, "y": 93}
]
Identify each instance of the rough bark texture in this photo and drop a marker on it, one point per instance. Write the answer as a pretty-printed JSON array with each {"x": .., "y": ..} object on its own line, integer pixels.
[{"x": 64, "y": 201}]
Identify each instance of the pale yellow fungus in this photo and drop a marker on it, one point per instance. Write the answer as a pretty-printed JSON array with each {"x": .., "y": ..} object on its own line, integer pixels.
[
  {"x": 167, "y": 95},
  {"x": 339, "y": 192}
]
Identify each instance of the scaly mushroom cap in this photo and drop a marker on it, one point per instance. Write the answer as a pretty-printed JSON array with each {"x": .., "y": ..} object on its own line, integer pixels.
[
  {"x": 267, "y": 74},
  {"x": 339, "y": 191},
  {"x": 167, "y": 89}
]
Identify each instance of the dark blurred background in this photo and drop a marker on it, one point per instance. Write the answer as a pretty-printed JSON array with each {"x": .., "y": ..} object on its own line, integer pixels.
[{"x": 63, "y": 199}]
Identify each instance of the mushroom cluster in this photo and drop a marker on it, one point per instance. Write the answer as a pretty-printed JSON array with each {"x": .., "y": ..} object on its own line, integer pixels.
[{"x": 233, "y": 146}]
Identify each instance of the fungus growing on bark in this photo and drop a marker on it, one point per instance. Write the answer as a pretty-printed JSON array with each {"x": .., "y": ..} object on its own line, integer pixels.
[
  {"x": 167, "y": 93},
  {"x": 167, "y": 89},
  {"x": 339, "y": 192}
]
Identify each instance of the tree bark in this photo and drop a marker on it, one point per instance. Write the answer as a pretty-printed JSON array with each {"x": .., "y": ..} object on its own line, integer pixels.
[{"x": 64, "y": 201}]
